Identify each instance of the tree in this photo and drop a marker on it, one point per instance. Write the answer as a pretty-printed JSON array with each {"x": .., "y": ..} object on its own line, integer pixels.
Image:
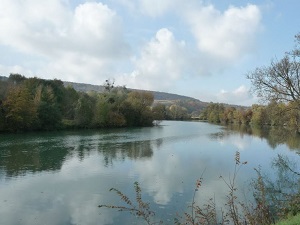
[
  {"x": 109, "y": 85},
  {"x": 20, "y": 109},
  {"x": 16, "y": 78},
  {"x": 259, "y": 115},
  {"x": 281, "y": 80},
  {"x": 159, "y": 111},
  {"x": 84, "y": 111},
  {"x": 70, "y": 99},
  {"x": 138, "y": 106},
  {"x": 108, "y": 106},
  {"x": 277, "y": 113},
  {"x": 102, "y": 111},
  {"x": 176, "y": 112}
]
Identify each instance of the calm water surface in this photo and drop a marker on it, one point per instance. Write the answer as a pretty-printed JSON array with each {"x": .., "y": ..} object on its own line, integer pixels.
[{"x": 61, "y": 177}]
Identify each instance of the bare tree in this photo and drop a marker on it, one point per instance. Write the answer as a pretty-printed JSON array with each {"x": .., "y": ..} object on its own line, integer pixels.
[{"x": 281, "y": 80}]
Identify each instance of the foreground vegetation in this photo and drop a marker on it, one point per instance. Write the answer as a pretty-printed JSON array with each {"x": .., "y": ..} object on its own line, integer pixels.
[
  {"x": 274, "y": 201},
  {"x": 294, "y": 220}
]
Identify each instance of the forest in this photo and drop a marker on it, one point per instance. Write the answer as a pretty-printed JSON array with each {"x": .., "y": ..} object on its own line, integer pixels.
[
  {"x": 273, "y": 114},
  {"x": 34, "y": 104}
]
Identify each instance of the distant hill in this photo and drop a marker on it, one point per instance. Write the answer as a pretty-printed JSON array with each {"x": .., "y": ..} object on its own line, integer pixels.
[
  {"x": 100, "y": 88},
  {"x": 193, "y": 105},
  {"x": 3, "y": 78},
  {"x": 84, "y": 87}
]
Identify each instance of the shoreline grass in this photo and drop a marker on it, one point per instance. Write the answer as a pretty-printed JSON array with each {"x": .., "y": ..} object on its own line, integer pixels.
[{"x": 294, "y": 220}]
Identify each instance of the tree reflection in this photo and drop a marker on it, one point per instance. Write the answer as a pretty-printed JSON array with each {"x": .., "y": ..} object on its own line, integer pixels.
[
  {"x": 32, "y": 154},
  {"x": 120, "y": 151},
  {"x": 17, "y": 159},
  {"x": 274, "y": 136}
]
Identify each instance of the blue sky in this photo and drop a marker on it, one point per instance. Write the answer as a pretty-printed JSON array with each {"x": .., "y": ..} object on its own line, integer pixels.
[{"x": 202, "y": 49}]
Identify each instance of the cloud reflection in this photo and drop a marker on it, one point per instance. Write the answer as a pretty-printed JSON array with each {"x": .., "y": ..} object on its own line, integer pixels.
[{"x": 166, "y": 161}]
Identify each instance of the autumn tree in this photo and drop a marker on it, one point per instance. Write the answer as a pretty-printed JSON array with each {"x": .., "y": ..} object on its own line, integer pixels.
[
  {"x": 84, "y": 111},
  {"x": 137, "y": 109},
  {"x": 280, "y": 81},
  {"x": 259, "y": 116},
  {"x": 159, "y": 111},
  {"x": 20, "y": 109},
  {"x": 70, "y": 99},
  {"x": 16, "y": 78},
  {"x": 48, "y": 110}
]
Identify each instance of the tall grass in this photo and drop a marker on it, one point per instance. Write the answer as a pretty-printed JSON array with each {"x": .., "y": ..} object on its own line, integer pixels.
[
  {"x": 294, "y": 220},
  {"x": 273, "y": 200}
]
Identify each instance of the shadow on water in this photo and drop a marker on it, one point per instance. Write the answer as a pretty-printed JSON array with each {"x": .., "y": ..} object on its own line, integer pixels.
[
  {"x": 137, "y": 150},
  {"x": 47, "y": 151},
  {"x": 61, "y": 177},
  {"x": 38, "y": 152},
  {"x": 274, "y": 136}
]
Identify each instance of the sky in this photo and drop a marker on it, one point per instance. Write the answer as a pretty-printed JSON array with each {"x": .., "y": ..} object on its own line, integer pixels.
[{"x": 197, "y": 48}]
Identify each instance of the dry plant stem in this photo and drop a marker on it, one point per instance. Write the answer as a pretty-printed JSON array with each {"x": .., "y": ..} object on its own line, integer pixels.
[
  {"x": 142, "y": 209},
  {"x": 231, "y": 184},
  {"x": 282, "y": 162},
  {"x": 237, "y": 213},
  {"x": 198, "y": 185}
]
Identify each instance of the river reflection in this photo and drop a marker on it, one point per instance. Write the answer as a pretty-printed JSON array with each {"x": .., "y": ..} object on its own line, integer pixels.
[
  {"x": 61, "y": 177},
  {"x": 274, "y": 136}
]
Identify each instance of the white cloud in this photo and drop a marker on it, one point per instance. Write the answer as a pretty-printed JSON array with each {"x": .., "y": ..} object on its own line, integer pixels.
[
  {"x": 226, "y": 36},
  {"x": 156, "y": 7},
  {"x": 152, "y": 8},
  {"x": 223, "y": 38},
  {"x": 220, "y": 35},
  {"x": 98, "y": 30},
  {"x": 165, "y": 176},
  {"x": 163, "y": 60},
  {"x": 239, "y": 96},
  {"x": 87, "y": 38},
  {"x": 86, "y": 42},
  {"x": 6, "y": 70}
]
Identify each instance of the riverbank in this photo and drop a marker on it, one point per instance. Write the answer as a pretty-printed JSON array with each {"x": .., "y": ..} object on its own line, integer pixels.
[{"x": 295, "y": 220}]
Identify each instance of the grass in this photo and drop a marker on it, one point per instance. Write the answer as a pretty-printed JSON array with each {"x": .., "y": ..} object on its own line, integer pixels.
[{"x": 295, "y": 220}]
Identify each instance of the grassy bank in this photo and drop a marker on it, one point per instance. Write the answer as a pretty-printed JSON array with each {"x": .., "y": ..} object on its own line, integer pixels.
[{"x": 295, "y": 220}]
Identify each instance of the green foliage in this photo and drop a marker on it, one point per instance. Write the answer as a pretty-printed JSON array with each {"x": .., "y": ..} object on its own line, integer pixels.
[
  {"x": 69, "y": 102},
  {"x": 259, "y": 115},
  {"x": 84, "y": 111},
  {"x": 293, "y": 220},
  {"x": 176, "y": 112},
  {"x": 216, "y": 113},
  {"x": 159, "y": 112},
  {"x": 49, "y": 115},
  {"x": 139, "y": 105},
  {"x": 19, "y": 109},
  {"x": 38, "y": 104},
  {"x": 101, "y": 112},
  {"x": 16, "y": 78},
  {"x": 273, "y": 114},
  {"x": 278, "y": 198}
]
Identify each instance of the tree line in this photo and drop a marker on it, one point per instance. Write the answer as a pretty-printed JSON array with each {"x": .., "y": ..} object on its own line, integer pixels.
[
  {"x": 273, "y": 114},
  {"x": 278, "y": 86},
  {"x": 39, "y": 104}
]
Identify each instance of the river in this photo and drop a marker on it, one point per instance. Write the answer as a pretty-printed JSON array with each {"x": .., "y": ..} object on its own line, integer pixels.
[{"x": 61, "y": 177}]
